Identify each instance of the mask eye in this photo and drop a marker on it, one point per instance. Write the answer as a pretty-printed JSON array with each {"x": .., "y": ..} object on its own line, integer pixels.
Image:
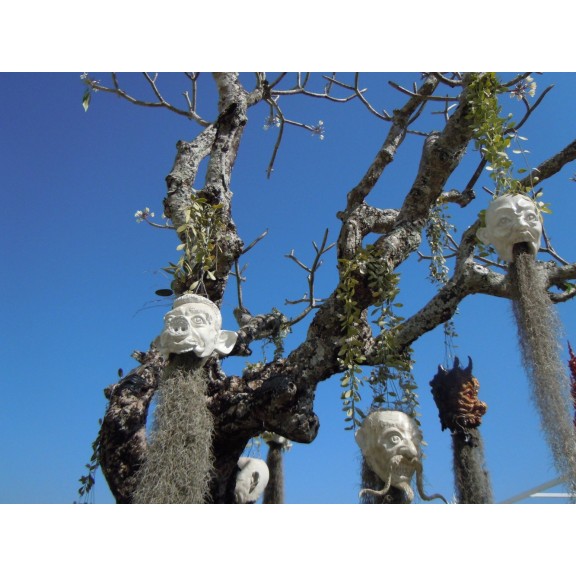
[
  {"x": 198, "y": 321},
  {"x": 504, "y": 221},
  {"x": 395, "y": 439}
]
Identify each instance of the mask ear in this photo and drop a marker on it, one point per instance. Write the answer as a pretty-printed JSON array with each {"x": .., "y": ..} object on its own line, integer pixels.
[
  {"x": 483, "y": 235},
  {"x": 226, "y": 341}
]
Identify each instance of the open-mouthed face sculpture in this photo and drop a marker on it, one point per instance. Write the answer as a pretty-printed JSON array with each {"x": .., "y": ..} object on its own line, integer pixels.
[
  {"x": 512, "y": 219},
  {"x": 193, "y": 325}
]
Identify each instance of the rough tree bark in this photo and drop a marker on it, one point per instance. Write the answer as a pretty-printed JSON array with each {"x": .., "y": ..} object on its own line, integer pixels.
[{"x": 279, "y": 396}]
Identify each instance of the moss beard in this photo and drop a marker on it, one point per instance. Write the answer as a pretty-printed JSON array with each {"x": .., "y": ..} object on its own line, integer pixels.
[
  {"x": 179, "y": 461},
  {"x": 539, "y": 330}
]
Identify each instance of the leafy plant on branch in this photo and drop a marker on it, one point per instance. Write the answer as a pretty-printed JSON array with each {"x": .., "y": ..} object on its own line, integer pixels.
[
  {"x": 199, "y": 234},
  {"x": 351, "y": 355},
  {"x": 88, "y": 480}
]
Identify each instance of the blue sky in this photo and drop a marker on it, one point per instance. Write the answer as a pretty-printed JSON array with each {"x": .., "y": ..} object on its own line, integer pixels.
[{"x": 77, "y": 293}]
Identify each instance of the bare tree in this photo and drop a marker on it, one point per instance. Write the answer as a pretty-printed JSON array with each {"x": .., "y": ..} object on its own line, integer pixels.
[{"x": 278, "y": 396}]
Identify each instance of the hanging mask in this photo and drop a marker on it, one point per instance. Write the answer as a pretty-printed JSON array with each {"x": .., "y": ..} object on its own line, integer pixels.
[
  {"x": 194, "y": 325},
  {"x": 390, "y": 443},
  {"x": 512, "y": 219}
]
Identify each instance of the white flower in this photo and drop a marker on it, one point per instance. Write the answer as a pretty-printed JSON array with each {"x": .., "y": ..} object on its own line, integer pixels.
[
  {"x": 142, "y": 215},
  {"x": 526, "y": 86}
]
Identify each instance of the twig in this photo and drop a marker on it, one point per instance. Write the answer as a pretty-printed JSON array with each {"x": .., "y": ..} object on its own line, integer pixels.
[
  {"x": 447, "y": 81},
  {"x": 529, "y": 109},
  {"x": 161, "y": 226},
  {"x": 517, "y": 79},
  {"x": 310, "y": 298},
  {"x": 277, "y": 81},
  {"x": 254, "y": 242},
  {"x": 551, "y": 250},
  {"x": 431, "y": 97},
  {"x": 300, "y": 88},
  {"x": 359, "y": 93},
  {"x": 160, "y": 103},
  {"x": 276, "y": 108}
]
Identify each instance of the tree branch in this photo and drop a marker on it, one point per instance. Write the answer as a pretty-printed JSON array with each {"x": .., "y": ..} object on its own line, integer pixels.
[
  {"x": 394, "y": 139},
  {"x": 553, "y": 165}
]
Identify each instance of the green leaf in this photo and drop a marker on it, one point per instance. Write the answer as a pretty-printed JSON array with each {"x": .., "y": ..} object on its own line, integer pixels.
[{"x": 86, "y": 99}]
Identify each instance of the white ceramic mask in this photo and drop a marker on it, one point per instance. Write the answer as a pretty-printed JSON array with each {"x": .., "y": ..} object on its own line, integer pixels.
[
  {"x": 251, "y": 480},
  {"x": 390, "y": 442},
  {"x": 193, "y": 325},
  {"x": 512, "y": 219}
]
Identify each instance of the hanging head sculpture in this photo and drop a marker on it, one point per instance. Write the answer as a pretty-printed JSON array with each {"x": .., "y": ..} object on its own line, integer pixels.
[
  {"x": 512, "y": 219},
  {"x": 390, "y": 442},
  {"x": 251, "y": 480},
  {"x": 194, "y": 325}
]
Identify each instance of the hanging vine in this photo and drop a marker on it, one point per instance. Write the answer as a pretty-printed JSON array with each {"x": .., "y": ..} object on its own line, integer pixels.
[
  {"x": 88, "y": 480},
  {"x": 351, "y": 354},
  {"x": 391, "y": 380}
]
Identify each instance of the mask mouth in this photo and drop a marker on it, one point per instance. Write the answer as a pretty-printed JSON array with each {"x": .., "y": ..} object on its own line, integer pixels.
[{"x": 403, "y": 468}]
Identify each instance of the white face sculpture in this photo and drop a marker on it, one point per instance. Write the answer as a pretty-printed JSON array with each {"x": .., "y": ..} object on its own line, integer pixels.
[
  {"x": 251, "y": 480},
  {"x": 511, "y": 219},
  {"x": 193, "y": 325},
  {"x": 390, "y": 442}
]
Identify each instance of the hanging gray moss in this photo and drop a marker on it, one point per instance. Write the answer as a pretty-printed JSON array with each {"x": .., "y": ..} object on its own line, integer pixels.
[
  {"x": 178, "y": 466},
  {"x": 470, "y": 474},
  {"x": 274, "y": 492},
  {"x": 539, "y": 331}
]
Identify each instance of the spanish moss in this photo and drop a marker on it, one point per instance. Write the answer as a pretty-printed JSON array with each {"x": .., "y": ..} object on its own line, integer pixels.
[
  {"x": 538, "y": 333},
  {"x": 178, "y": 466},
  {"x": 274, "y": 491},
  {"x": 471, "y": 476}
]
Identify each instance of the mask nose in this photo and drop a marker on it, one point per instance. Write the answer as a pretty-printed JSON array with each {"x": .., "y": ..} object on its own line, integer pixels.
[
  {"x": 522, "y": 223},
  {"x": 408, "y": 449},
  {"x": 179, "y": 325}
]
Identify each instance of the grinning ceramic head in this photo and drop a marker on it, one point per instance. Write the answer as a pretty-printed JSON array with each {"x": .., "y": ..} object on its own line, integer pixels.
[
  {"x": 194, "y": 325},
  {"x": 511, "y": 219}
]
